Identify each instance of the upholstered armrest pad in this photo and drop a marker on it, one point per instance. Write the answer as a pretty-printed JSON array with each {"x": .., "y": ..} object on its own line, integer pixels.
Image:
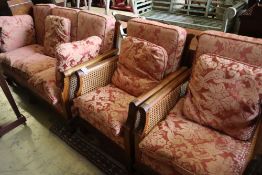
[
  {"x": 72, "y": 54},
  {"x": 97, "y": 75},
  {"x": 16, "y": 31}
]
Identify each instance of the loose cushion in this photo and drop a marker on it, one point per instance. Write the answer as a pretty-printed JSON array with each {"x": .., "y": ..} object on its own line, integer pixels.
[
  {"x": 170, "y": 37},
  {"x": 191, "y": 148},
  {"x": 75, "y": 53},
  {"x": 141, "y": 66},
  {"x": 224, "y": 94},
  {"x": 105, "y": 108},
  {"x": 57, "y": 31},
  {"x": 16, "y": 31}
]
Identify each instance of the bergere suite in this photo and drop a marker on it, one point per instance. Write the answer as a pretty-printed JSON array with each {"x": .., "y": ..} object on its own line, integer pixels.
[
  {"x": 214, "y": 127},
  {"x": 43, "y": 54}
]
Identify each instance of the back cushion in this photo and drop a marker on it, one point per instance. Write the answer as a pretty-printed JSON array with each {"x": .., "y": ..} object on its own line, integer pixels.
[
  {"x": 171, "y": 38},
  {"x": 41, "y": 11},
  {"x": 16, "y": 31},
  {"x": 141, "y": 66},
  {"x": 70, "y": 14},
  {"x": 224, "y": 94},
  {"x": 99, "y": 25},
  {"x": 57, "y": 31},
  {"x": 242, "y": 48}
]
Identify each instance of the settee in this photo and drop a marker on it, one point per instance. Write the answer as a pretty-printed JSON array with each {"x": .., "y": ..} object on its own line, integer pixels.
[{"x": 43, "y": 52}]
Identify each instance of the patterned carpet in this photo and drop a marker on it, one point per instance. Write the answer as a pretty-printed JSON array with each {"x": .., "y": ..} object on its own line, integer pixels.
[{"x": 88, "y": 147}]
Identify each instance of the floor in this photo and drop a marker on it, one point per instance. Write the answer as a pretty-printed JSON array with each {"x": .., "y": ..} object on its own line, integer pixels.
[{"x": 33, "y": 149}]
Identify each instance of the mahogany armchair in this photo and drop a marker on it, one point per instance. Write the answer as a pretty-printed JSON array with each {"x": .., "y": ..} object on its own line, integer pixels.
[{"x": 207, "y": 121}]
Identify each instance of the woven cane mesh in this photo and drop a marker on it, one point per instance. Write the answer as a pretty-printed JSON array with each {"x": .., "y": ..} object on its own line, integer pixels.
[
  {"x": 73, "y": 86},
  {"x": 159, "y": 111},
  {"x": 98, "y": 77}
]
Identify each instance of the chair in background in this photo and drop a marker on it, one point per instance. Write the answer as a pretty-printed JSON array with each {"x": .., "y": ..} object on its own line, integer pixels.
[
  {"x": 78, "y": 4},
  {"x": 213, "y": 128},
  {"x": 110, "y": 91}
]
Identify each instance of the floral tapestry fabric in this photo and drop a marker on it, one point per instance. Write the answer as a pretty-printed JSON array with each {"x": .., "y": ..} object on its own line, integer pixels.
[
  {"x": 57, "y": 31},
  {"x": 241, "y": 48},
  {"x": 224, "y": 94},
  {"x": 45, "y": 83},
  {"x": 11, "y": 57},
  {"x": 106, "y": 109},
  {"x": 77, "y": 52},
  {"x": 104, "y": 26},
  {"x": 170, "y": 37},
  {"x": 16, "y": 31},
  {"x": 41, "y": 11},
  {"x": 141, "y": 66},
  {"x": 190, "y": 147},
  {"x": 34, "y": 64}
]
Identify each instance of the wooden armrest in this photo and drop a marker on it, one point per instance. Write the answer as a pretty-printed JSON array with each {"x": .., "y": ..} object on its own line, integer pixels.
[
  {"x": 154, "y": 109},
  {"x": 97, "y": 75},
  {"x": 90, "y": 62}
]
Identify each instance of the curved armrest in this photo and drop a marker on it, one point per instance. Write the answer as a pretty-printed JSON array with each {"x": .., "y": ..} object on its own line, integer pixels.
[{"x": 232, "y": 11}]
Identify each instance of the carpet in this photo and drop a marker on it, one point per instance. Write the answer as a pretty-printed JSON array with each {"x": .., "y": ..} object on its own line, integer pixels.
[{"x": 87, "y": 146}]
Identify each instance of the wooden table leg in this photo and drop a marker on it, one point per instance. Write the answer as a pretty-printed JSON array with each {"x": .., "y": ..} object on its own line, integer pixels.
[{"x": 20, "y": 118}]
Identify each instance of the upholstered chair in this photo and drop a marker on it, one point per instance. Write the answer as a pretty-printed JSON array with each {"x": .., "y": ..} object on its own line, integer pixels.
[
  {"x": 43, "y": 52},
  {"x": 208, "y": 120},
  {"x": 110, "y": 91}
]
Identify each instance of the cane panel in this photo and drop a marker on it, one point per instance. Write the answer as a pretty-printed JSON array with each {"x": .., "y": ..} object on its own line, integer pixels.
[
  {"x": 98, "y": 76},
  {"x": 159, "y": 111},
  {"x": 72, "y": 86}
]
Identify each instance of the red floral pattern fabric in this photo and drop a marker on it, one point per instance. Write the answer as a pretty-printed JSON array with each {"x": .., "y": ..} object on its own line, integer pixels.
[
  {"x": 106, "y": 109},
  {"x": 45, "y": 83},
  {"x": 104, "y": 26},
  {"x": 72, "y": 15},
  {"x": 75, "y": 53},
  {"x": 33, "y": 64},
  {"x": 141, "y": 66},
  {"x": 10, "y": 58},
  {"x": 57, "y": 31},
  {"x": 17, "y": 31},
  {"x": 224, "y": 94},
  {"x": 242, "y": 48},
  {"x": 190, "y": 147},
  {"x": 170, "y": 37},
  {"x": 41, "y": 11}
]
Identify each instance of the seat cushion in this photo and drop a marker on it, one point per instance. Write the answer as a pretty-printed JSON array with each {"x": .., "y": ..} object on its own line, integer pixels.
[
  {"x": 16, "y": 31},
  {"x": 141, "y": 66},
  {"x": 45, "y": 84},
  {"x": 224, "y": 94},
  {"x": 10, "y": 58},
  {"x": 57, "y": 31},
  {"x": 71, "y": 54},
  {"x": 194, "y": 148},
  {"x": 106, "y": 109}
]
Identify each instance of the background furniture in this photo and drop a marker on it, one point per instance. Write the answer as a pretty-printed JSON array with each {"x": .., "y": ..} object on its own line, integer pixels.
[
  {"x": 197, "y": 14},
  {"x": 20, "y": 118}
]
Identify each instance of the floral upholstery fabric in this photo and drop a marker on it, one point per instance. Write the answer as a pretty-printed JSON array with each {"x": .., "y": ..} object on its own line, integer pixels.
[
  {"x": 57, "y": 31},
  {"x": 75, "y": 53},
  {"x": 171, "y": 38},
  {"x": 141, "y": 66},
  {"x": 178, "y": 142},
  {"x": 41, "y": 11},
  {"x": 10, "y": 58},
  {"x": 242, "y": 48},
  {"x": 105, "y": 108},
  {"x": 17, "y": 31},
  {"x": 104, "y": 28},
  {"x": 224, "y": 94},
  {"x": 72, "y": 15},
  {"x": 33, "y": 64},
  {"x": 45, "y": 83}
]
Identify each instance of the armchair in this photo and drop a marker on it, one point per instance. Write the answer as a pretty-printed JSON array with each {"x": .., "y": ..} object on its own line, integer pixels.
[
  {"x": 110, "y": 91},
  {"x": 207, "y": 121}
]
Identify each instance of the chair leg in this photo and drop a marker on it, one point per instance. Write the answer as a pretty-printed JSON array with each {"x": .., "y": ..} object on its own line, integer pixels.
[
  {"x": 65, "y": 3},
  {"x": 85, "y": 4},
  {"x": 78, "y": 4},
  {"x": 107, "y": 4},
  {"x": 89, "y": 4}
]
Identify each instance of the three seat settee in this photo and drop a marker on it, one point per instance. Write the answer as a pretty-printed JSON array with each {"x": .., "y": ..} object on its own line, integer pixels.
[{"x": 43, "y": 52}]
